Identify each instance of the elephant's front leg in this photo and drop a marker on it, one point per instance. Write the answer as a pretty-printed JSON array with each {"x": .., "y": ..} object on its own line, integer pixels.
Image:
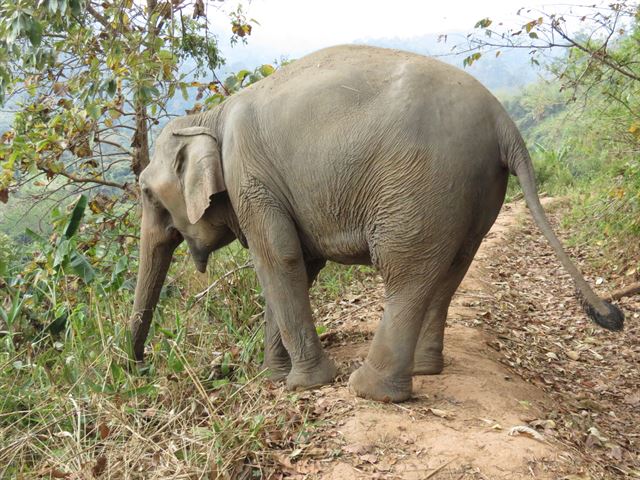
[
  {"x": 276, "y": 357},
  {"x": 280, "y": 266}
]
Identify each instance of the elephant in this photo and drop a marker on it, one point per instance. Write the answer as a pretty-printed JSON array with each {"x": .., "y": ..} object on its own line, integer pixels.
[{"x": 356, "y": 155}]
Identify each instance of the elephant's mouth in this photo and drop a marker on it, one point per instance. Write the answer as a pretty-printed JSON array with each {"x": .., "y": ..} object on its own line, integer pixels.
[
  {"x": 201, "y": 263},
  {"x": 200, "y": 257}
]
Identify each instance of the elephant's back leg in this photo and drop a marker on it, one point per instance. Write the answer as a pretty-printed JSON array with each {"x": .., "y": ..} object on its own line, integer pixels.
[
  {"x": 411, "y": 280},
  {"x": 428, "y": 357},
  {"x": 422, "y": 259}
]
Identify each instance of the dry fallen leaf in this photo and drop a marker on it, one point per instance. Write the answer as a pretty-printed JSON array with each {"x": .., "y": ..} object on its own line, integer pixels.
[
  {"x": 596, "y": 355},
  {"x": 55, "y": 473},
  {"x": 149, "y": 413},
  {"x": 441, "y": 413},
  {"x": 316, "y": 452},
  {"x": 544, "y": 424},
  {"x": 296, "y": 453},
  {"x": 104, "y": 430},
  {"x": 615, "y": 452},
  {"x": 356, "y": 448},
  {"x": 524, "y": 430},
  {"x": 596, "y": 433},
  {"x": 369, "y": 458},
  {"x": 285, "y": 463},
  {"x": 100, "y": 466},
  {"x": 572, "y": 354}
]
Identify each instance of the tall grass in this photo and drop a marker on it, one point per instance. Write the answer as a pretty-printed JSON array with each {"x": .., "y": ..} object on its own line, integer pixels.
[
  {"x": 553, "y": 172},
  {"x": 72, "y": 404},
  {"x": 606, "y": 213}
]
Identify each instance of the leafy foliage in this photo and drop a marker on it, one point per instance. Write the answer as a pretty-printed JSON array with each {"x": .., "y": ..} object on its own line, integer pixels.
[
  {"x": 600, "y": 27},
  {"x": 90, "y": 79},
  {"x": 585, "y": 145},
  {"x": 603, "y": 54}
]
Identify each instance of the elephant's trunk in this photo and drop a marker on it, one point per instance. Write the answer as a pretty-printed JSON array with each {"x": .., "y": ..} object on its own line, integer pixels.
[
  {"x": 517, "y": 158},
  {"x": 156, "y": 250}
]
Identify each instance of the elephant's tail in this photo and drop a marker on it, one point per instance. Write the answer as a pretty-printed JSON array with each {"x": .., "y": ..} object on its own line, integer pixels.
[{"x": 517, "y": 159}]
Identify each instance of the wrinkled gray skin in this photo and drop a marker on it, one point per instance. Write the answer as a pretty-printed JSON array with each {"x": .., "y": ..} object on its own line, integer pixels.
[{"x": 353, "y": 154}]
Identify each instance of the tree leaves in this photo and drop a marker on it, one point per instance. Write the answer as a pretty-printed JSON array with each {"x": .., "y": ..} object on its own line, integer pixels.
[
  {"x": 240, "y": 26},
  {"x": 600, "y": 30},
  {"x": 84, "y": 81},
  {"x": 81, "y": 267},
  {"x": 76, "y": 217},
  {"x": 474, "y": 57},
  {"x": 266, "y": 70},
  {"x": 34, "y": 32},
  {"x": 484, "y": 23},
  {"x": 532, "y": 24}
]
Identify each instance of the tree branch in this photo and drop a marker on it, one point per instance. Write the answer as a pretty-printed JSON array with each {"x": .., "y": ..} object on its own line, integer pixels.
[
  {"x": 598, "y": 56},
  {"x": 99, "y": 17},
  {"x": 74, "y": 178},
  {"x": 114, "y": 144},
  {"x": 625, "y": 291}
]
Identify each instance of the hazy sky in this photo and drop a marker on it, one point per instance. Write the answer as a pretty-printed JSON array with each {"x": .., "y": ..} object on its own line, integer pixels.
[{"x": 294, "y": 27}]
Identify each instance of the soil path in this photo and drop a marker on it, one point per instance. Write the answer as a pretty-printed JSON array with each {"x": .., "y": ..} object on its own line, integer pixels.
[{"x": 459, "y": 423}]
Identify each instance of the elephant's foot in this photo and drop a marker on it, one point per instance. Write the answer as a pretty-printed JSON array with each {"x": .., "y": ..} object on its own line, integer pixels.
[
  {"x": 321, "y": 373},
  {"x": 430, "y": 363},
  {"x": 277, "y": 370},
  {"x": 366, "y": 382}
]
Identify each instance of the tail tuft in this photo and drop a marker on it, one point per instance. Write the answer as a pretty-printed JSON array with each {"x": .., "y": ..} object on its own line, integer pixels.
[{"x": 614, "y": 320}]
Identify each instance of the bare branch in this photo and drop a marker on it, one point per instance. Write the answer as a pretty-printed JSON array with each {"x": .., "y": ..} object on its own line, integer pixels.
[
  {"x": 598, "y": 56},
  {"x": 74, "y": 178},
  {"x": 98, "y": 16},
  {"x": 627, "y": 291}
]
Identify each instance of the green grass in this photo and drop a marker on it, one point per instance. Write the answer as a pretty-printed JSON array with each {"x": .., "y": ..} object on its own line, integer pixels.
[
  {"x": 553, "y": 172},
  {"x": 334, "y": 280},
  {"x": 70, "y": 401},
  {"x": 606, "y": 213},
  {"x": 72, "y": 404}
]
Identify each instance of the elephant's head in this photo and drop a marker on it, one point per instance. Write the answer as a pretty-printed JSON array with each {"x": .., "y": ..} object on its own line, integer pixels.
[
  {"x": 178, "y": 184},
  {"x": 182, "y": 199}
]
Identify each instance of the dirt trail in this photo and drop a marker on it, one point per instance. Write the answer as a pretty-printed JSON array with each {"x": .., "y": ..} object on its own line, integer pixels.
[{"x": 458, "y": 424}]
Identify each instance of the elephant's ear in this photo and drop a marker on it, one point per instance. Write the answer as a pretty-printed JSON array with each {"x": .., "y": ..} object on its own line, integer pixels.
[{"x": 199, "y": 167}]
